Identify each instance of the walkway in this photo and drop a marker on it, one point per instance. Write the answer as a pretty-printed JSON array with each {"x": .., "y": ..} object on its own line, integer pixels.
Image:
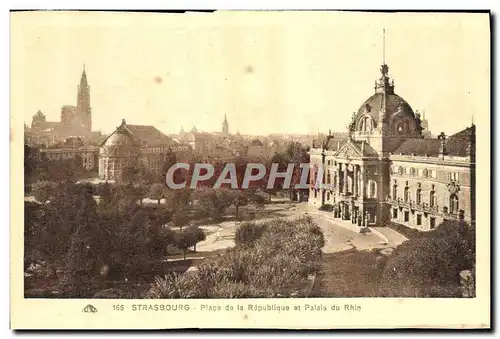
[
  {"x": 388, "y": 237},
  {"x": 394, "y": 238}
]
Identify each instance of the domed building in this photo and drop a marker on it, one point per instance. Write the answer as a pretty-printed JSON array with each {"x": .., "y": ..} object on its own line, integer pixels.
[
  {"x": 385, "y": 171},
  {"x": 131, "y": 147}
]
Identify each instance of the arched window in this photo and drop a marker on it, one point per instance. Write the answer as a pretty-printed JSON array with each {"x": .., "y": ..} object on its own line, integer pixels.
[
  {"x": 399, "y": 128},
  {"x": 394, "y": 191},
  {"x": 365, "y": 124},
  {"x": 432, "y": 199},
  {"x": 406, "y": 194},
  {"x": 453, "y": 203},
  {"x": 372, "y": 189},
  {"x": 419, "y": 196}
]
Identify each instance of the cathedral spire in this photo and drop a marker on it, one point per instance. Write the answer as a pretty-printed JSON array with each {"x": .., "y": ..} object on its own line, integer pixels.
[
  {"x": 83, "y": 102},
  {"x": 225, "y": 126},
  {"x": 83, "y": 79}
]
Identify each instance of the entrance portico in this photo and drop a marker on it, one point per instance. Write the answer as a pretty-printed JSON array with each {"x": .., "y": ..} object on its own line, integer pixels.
[{"x": 349, "y": 183}]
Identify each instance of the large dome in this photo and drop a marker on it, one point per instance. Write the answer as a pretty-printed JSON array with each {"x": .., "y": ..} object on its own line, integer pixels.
[
  {"x": 399, "y": 118},
  {"x": 119, "y": 143},
  {"x": 119, "y": 138},
  {"x": 394, "y": 104}
]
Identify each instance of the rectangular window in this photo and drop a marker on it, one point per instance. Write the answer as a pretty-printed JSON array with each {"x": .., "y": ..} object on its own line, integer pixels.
[
  {"x": 454, "y": 176},
  {"x": 394, "y": 213},
  {"x": 433, "y": 222},
  {"x": 407, "y": 216},
  {"x": 419, "y": 219}
]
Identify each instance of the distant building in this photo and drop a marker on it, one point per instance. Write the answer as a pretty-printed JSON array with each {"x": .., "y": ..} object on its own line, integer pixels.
[
  {"x": 88, "y": 154},
  {"x": 262, "y": 152},
  {"x": 76, "y": 121},
  {"x": 133, "y": 147},
  {"x": 386, "y": 171},
  {"x": 225, "y": 126},
  {"x": 425, "y": 127}
]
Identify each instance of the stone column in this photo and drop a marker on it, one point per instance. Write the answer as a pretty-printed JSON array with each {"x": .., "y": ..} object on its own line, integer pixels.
[
  {"x": 337, "y": 188},
  {"x": 355, "y": 181},
  {"x": 345, "y": 179},
  {"x": 362, "y": 181},
  {"x": 107, "y": 169}
]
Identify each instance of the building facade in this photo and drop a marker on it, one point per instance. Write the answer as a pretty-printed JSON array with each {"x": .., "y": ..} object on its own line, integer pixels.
[
  {"x": 135, "y": 147},
  {"x": 386, "y": 171},
  {"x": 89, "y": 155}
]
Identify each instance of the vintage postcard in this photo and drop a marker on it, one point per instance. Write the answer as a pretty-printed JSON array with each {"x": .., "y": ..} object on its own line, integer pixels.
[{"x": 270, "y": 170}]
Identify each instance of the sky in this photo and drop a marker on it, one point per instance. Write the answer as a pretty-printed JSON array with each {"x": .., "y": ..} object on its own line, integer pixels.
[{"x": 270, "y": 72}]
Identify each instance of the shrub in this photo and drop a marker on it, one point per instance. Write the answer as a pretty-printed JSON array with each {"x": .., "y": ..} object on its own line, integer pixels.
[
  {"x": 173, "y": 286},
  {"x": 284, "y": 254},
  {"x": 326, "y": 207},
  {"x": 430, "y": 264},
  {"x": 248, "y": 232}
]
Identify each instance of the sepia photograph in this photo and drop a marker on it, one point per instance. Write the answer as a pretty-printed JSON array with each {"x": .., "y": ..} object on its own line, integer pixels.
[{"x": 304, "y": 157}]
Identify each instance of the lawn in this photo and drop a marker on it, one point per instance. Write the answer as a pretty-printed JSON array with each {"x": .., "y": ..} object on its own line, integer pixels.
[{"x": 348, "y": 274}]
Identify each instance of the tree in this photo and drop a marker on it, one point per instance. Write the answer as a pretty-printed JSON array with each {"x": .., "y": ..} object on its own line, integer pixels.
[
  {"x": 33, "y": 229},
  {"x": 125, "y": 197},
  {"x": 297, "y": 154},
  {"x": 177, "y": 198},
  {"x": 157, "y": 192},
  {"x": 180, "y": 216},
  {"x": 142, "y": 190},
  {"x": 130, "y": 173},
  {"x": 85, "y": 245},
  {"x": 189, "y": 237},
  {"x": 238, "y": 198},
  {"x": 44, "y": 190},
  {"x": 213, "y": 202},
  {"x": 195, "y": 235}
]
